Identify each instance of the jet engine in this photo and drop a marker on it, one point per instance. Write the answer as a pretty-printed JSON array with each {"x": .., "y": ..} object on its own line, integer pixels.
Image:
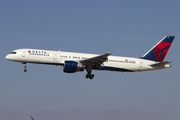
[{"x": 73, "y": 66}]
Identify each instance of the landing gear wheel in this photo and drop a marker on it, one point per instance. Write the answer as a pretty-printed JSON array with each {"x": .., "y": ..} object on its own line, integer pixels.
[
  {"x": 92, "y": 76},
  {"x": 25, "y": 70},
  {"x": 88, "y": 75}
]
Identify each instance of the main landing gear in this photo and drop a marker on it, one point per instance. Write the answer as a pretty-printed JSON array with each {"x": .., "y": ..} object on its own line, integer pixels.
[
  {"x": 91, "y": 76},
  {"x": 89, "y": 70},
  {"x": 25, "y": 70}
]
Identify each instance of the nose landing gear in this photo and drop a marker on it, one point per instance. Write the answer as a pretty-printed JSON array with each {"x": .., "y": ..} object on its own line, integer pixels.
[{"x": 25, "y": 70}]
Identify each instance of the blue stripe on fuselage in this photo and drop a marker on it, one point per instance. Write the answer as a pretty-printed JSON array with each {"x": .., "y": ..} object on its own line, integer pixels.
[{"x": 112, "y": 69}]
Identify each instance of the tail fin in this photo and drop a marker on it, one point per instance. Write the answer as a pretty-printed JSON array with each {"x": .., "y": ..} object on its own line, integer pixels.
[{"x": 159, "y": 51}]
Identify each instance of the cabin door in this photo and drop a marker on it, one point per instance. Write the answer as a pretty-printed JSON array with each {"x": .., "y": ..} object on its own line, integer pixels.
[
  {"x": 140, "y": 63},
  {"x": 23, "y": 54},
  {"x": 56, "y": 55}
]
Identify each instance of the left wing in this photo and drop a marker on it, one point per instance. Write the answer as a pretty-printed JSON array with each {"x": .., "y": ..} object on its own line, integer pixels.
[{"x": 95, "y": 61}]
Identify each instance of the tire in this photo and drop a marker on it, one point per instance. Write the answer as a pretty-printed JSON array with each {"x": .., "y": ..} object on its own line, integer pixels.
[
  {"x": 92, "y": 76},
  {"x": 25, "y": 70}
]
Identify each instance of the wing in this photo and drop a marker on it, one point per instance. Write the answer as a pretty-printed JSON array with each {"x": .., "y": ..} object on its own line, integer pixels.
[{"x": 95, "y": 61}]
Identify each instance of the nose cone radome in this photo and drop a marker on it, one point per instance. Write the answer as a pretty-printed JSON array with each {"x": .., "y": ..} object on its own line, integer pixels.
[{"x": 8, "y": 57}]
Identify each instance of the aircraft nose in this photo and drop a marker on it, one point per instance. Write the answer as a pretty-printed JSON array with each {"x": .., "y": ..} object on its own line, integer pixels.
[{"x": 8, "y": 57}]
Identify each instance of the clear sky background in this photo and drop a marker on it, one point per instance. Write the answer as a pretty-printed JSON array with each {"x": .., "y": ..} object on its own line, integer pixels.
[{"x": 124, "y": 28}]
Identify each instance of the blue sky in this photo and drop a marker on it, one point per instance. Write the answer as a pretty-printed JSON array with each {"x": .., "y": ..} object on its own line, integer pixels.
[{"x": 124, "y": 28}]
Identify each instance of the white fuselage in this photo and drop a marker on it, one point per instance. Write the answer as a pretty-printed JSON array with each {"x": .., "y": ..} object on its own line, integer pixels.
[{"x": 114, "y": 63}]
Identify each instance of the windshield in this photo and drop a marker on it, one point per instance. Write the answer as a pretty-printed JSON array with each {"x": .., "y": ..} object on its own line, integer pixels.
[{"x": 13, "y": 53}]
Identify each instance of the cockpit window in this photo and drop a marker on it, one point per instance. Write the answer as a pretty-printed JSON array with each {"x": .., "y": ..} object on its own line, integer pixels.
[{"x": 13, "y": 53}]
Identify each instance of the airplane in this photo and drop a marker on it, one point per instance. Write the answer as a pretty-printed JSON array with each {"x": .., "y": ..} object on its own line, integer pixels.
[{"x": 74, "y": 62}]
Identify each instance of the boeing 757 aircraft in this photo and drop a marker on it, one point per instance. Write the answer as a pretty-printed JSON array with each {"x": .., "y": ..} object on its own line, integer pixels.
[{"x": 73, "y": 62}]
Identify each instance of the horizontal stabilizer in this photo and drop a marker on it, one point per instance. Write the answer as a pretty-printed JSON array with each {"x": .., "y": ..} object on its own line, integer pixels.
[{"x": 161, "y": 63}]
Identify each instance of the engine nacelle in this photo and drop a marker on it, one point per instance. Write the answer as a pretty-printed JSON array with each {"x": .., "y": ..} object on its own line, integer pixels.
[{"x": 72, "y": 67}]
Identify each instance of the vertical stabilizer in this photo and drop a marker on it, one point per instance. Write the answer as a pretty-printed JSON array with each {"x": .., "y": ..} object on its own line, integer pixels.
[{"x": 159, "y": 51}]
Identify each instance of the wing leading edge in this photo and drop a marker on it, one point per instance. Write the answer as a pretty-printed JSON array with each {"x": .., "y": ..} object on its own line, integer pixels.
[{"x": 96, "y": 61}]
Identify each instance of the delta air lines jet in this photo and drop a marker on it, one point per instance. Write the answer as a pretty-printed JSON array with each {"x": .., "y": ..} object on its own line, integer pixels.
[{"x": 73, "y": 62}]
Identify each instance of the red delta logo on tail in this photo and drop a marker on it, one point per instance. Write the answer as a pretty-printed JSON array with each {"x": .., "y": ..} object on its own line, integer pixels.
[{"x": 159, "y": 51}]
